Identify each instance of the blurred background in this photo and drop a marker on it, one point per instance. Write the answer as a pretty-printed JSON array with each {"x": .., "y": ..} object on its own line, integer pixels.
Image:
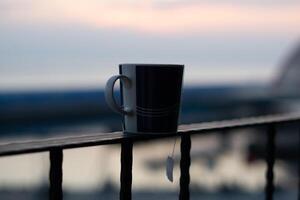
[{"x": 242, "y": 58}]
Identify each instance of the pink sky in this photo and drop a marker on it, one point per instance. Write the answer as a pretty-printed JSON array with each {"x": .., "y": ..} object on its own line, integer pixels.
[{"x": 159, "y": 17}]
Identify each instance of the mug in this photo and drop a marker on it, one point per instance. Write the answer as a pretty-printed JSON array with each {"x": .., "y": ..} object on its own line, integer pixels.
[{"x": 150, "y": 97}]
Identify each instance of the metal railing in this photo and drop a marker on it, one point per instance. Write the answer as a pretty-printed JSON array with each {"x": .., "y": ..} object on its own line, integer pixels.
[{"x": 56, "y": 146}]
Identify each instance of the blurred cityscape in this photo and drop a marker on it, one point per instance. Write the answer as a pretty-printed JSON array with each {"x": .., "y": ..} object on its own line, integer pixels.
[{"x": 242, "y": 59}]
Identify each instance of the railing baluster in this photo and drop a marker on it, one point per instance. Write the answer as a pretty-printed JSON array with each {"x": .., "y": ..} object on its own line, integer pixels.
[
  {"x": 298, "y": 164},
  {"x": 126, "y": 169},
  {"x": 185, "y": 162},
  {"x": 55, "y": 175},
  {"x": 270, "y": 159}
]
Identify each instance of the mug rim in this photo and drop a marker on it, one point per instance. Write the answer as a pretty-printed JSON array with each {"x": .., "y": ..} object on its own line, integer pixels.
[{"x": 149, "y": 65}]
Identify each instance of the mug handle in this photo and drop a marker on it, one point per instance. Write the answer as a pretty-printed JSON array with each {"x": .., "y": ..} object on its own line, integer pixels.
[{"x": 109, "y": 94}]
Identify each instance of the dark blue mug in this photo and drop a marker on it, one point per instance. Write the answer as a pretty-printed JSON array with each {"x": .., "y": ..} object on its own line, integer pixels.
[{"x": 150, "y": 97}]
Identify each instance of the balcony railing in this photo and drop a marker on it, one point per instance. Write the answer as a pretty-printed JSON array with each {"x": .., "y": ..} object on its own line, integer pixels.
[{"x": 56, "y": 146}]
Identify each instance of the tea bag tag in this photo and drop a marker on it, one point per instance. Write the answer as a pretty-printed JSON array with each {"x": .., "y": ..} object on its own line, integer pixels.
[
  {"x": 170, "y": 164},
  {"x": 169, "y": 168}
]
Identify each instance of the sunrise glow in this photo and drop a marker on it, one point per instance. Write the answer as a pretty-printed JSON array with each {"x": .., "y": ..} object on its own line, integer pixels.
[{"x": 147, "y": 16}]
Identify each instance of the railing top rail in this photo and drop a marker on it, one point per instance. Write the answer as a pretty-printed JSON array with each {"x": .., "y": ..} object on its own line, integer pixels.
[{"x": 42, "y": 145}]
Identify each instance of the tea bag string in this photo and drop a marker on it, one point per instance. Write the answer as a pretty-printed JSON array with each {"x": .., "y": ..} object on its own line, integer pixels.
[{"x": 172, "y": 155}]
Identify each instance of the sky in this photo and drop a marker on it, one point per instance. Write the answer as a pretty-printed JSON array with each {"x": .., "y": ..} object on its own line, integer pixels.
[{"x": 79, "y": 44}]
